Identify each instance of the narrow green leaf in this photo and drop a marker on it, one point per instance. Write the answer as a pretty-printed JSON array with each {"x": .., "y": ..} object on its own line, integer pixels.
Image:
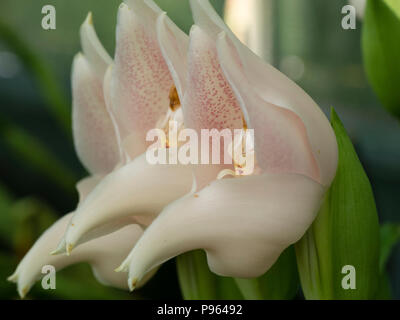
[
  {"x": 345, "y": 233},
  {"x": 227, "y": 289},
  {"x": 250, "y": 288},
  {"x": 197, "y": 282},
  {"x": 381, "y": 50}
]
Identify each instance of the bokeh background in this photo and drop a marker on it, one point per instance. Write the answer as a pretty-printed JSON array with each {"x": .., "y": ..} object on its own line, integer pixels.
[{"x": 38, "y": 165}]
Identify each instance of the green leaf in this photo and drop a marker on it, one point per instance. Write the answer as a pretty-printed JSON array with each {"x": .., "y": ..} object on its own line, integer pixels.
[
  {"x": 346, "y": 232},
  {"x": 197, "y": 282},
  {"x": 381, "y": 50},
  {"x": 227, "y": 289}
]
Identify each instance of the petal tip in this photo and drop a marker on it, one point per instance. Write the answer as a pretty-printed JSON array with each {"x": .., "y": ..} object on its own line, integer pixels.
[
  {"x": 132, "y": 283},
  {"x": 89, "y": 18},
  {"x": 60, "y": 248},
  {"x": 23, "y": 292},
  {"x": 13, "y": 278},
  {"x": 68, "y": 248}
]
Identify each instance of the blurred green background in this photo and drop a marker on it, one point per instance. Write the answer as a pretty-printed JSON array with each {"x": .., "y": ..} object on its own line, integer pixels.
[{"x": 38, "y": 165}]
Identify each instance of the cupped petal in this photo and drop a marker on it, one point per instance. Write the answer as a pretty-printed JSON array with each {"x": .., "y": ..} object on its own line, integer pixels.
[
  {"x": 243, "y": 224},
  {"x": 141, "y": 81},
  {"x": 92, "y": 48},
  {"x": 281, "y": 140},
  {"x": 93, "y": 131},
  {"x": 277, "y": 89},
  {"x": 137, "y": 189},
  {"x": 103, "y": 254},
  {"x": 209, "y": 102},
  {"x": 174, "y": 44}
]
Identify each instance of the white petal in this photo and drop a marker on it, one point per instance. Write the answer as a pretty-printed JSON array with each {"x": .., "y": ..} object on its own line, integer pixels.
[
  {"x": 141, "y": 81},
  {"x": 137, "y": 189},
  {"x": 93, "y": 50},
  {"x": 94, "y": 134},
  {"x": 243, "y": 224},
  {"x": 104, "y": 255}
]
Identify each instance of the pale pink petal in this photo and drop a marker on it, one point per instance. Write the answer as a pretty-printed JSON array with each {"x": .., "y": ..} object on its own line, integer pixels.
[
  {"x": 243, "y": 224},
  {"x": 276, "y": 89},
  {"x": 141, "y": 81},
  {"x": 209, "y": 102},
  {"x": 93, "y": 131},
  {"x": 104, "y": 254},
  {"x": 281, "y": 141}
]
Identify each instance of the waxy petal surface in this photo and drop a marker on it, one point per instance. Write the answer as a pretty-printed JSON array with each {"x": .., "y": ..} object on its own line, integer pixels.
[
  {"x": 174, "y": 44},
  {"x": 92, "y": 48},
  {"x": 209, "y": 102},
  {"x": 243, "y": 225},
  {"x": 281, "y": 141},
  {"x": 137, "y": 189},
  {"x": 93, "y": 131},
  {"x": 141, "y": 81}
]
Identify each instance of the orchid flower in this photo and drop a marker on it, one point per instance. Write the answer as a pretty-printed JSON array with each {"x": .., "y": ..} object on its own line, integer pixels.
[
  {"x": 114, "y": 105},
  {"x": 245, "y": 222}
]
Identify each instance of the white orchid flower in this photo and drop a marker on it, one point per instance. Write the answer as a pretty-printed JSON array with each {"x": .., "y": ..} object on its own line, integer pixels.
[
  {"x": 114, "y": 105},
  {"x": 138, "y": 91},
  {"x": 243, "y": 223}
]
